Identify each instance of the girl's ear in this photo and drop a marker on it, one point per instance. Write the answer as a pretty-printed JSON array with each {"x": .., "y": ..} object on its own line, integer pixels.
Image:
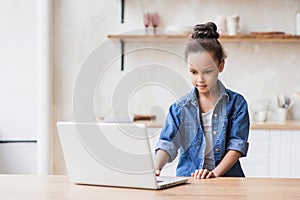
[{"x": 221, "y": 66}]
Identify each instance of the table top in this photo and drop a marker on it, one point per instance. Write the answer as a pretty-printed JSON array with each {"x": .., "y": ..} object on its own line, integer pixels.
[{"x": 59, "y": 187}]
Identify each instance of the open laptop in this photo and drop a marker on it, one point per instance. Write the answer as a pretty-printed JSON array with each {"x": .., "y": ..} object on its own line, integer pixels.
[{"x": 110, "y": 154}]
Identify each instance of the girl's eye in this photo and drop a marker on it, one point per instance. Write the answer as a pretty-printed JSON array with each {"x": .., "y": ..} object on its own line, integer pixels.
[
  {"x": 208, "y": 72},
  {"x": 193, "y": 72}
]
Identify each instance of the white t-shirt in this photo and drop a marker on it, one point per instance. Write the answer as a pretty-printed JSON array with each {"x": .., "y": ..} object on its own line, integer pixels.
[{"x": 209, "y": 160}]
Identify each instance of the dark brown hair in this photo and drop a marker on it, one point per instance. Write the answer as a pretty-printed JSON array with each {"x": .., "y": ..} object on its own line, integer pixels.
[{"x": 205, "y": 38}]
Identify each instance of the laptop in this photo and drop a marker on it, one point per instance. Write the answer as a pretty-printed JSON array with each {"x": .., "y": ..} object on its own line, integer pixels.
[{"x": 111, "y": 154}]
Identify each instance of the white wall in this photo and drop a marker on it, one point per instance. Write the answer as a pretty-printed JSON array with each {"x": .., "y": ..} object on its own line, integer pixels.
[{"x": 258, "y": 70}]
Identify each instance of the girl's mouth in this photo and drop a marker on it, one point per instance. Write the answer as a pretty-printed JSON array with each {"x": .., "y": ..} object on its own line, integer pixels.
[{"x": 201, "y": 86}]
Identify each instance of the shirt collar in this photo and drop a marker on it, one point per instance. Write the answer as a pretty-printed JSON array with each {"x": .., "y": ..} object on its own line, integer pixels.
[
  {"x": 194, "y": 93},
  {"x": 223, "y": 91}
]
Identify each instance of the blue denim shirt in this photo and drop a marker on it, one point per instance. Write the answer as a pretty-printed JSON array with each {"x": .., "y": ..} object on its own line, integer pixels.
[{"x": 183, "y": 130}]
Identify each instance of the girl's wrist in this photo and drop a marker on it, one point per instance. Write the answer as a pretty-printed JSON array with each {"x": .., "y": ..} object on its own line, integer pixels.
[{"x": 215, "y": 173}]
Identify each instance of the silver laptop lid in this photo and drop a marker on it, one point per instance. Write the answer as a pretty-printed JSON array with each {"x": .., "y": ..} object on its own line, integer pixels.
[{"x": 112, "y": 154}]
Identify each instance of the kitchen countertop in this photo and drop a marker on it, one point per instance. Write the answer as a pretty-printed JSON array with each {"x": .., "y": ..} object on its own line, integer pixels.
[{"x": 289, "y": 125}]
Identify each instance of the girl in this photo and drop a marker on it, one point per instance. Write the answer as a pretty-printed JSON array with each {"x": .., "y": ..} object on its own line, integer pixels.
[{"x": 210, "y": 124}]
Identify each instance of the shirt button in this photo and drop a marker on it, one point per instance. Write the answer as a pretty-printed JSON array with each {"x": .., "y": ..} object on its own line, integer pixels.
[
  {"x": 215, "y": 115},
  {"x": 217, "y": 149},
  {"x": 214, "y": 132}
]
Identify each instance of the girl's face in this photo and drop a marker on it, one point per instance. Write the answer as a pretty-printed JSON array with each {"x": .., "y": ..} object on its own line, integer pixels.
[{"x": 204, "y": 71}]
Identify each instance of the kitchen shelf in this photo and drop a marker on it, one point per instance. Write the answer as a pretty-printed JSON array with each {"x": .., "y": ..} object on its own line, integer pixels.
[
  {"x": 223, "y": 38},
  {"x": 183, "y": 37}
]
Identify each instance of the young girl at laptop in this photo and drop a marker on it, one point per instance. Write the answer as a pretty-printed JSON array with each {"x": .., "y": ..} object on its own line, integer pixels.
[{"x": 209, "y": 125}]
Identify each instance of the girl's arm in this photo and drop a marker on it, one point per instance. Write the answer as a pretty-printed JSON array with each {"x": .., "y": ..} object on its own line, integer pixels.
[
  {"x": 161, "y": 158},
  {"x": 169, "y": 140},
  {"x": 230, "y": 158}
]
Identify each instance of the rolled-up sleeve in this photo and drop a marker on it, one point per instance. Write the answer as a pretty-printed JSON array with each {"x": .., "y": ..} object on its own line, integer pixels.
[
  {"x": 169, "y": 139},
  {"x": 238, "y": 134}
]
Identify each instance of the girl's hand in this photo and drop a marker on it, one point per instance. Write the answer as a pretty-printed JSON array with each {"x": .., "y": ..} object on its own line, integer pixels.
[
  {"x": 203, "y": 173},
  {"x": 157, "y": 172}
]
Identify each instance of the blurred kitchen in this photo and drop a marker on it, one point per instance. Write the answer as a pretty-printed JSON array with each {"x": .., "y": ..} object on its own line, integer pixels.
[{"x": 264, "y": 66}]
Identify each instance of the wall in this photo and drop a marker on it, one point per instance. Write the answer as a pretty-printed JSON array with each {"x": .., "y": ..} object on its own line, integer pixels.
[{"x": 257, "y": 70}]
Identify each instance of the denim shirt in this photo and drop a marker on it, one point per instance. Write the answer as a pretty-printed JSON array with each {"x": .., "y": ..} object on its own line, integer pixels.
[{"x": 183, "y": 130}]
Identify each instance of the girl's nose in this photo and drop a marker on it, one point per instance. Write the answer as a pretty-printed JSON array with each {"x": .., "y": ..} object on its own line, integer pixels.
[{"x": 200, "y": 78}]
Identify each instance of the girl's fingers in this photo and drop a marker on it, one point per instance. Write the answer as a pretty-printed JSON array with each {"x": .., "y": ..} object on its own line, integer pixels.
[
  {"x": 204, "y": 173},
  {"x": 209, "y": 175},
  {"x": 196, "y": 173},
  {"x": 200, "y": 171}
]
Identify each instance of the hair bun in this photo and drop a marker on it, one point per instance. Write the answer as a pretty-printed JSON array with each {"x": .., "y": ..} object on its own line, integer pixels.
[{"x": 208, "y": 30}]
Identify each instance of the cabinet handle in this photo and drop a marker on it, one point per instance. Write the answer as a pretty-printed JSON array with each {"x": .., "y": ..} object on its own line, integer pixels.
[{"x": 17, "y": 141}]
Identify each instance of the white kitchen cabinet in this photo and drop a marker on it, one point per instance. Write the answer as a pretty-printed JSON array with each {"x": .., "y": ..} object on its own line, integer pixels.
[
  {"x": 257, "y": 162},
  {"x": 18, "y": 86},
  {"x": 295, "y": 140},
  {"x": 284, "y": 161},
  {"x": 18, "y": 158},
  {"x": 272, "y": 153}
]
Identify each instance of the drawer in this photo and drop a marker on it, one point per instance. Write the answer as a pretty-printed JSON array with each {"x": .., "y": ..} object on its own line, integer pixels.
[{"x": 18, "y": 158}]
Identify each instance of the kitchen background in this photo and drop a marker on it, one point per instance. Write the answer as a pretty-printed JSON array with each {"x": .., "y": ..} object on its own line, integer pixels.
[{"x": 259, "y": 70}]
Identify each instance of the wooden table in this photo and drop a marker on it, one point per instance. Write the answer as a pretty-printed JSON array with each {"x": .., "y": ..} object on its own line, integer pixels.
[{"x": 14, "y": 187}]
